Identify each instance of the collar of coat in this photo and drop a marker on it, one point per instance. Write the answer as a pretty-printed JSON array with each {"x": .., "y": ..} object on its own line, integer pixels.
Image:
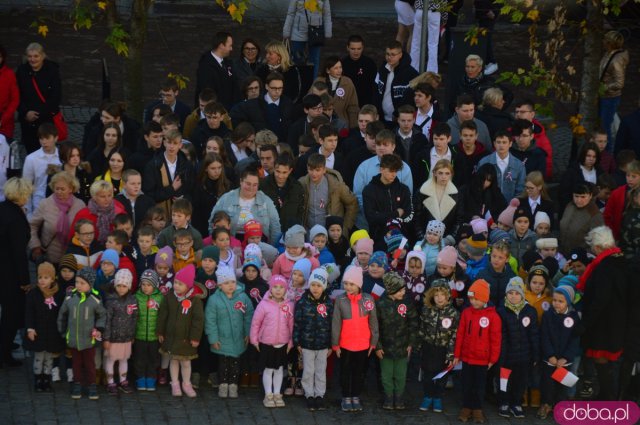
[{"x": 441, "y": 210}]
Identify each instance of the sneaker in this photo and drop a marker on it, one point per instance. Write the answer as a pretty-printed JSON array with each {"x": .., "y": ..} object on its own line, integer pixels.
[
  {"x": 346, "y": 405},
  {"x": 70, "y": 375},
  {"x": 320, "y": 403},
  {"x": 112, "y": 389},
  {"x": 311, "y": 404},
  {"x": 503, "y": 411},
  {"x": 141, "y": 384},
  {"x": 151, "y": 384},
  {"x": 125, "y": 387},
  {"x": 398, "y": 402},
  {"x": 587, "y": 390},
  {"x": 223, "y": 391},
  {"x": 517, "y": 412},
  {"x": 55, "y": 374},
  {"x": 233, "y": 391},
  {"x": 187, "y": 388},
  {"x": 544, "y": 411},
  {"x": 268, "y": 401},
  {"x": 387, "y": 404},
  {"x": 357, "y": 406},
  {"x": 290, "y": 388},
  {"x": 195, "y": 380},
  {"x": 93, "y": 392},
  {"x": 162, "y": 377},
  {"x": 298, "y": 390},
  {"x": 490, "y": 68},
  {"x": 76, "y": 391},
  {"x": 426, "y": 404},
  {"x": 277, "y": 399},
  {"x": 437, "y": 405}
]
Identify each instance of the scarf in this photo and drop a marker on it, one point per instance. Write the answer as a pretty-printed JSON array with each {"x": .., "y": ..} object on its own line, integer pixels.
[
  {"x": 105, "y": 218},
  {"x": 294, "y": 259},
  {"x": 582, "y": 282},
  {"x": 51, "y": 291},
  {"x": 516, "y": 308},
  {"x": 62, "y": 226}
]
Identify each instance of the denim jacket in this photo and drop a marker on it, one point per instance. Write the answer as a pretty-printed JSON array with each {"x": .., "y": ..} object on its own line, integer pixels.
[{"x": 512, "y": 183}]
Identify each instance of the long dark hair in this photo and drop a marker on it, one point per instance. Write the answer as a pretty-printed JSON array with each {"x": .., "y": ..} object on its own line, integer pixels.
[
  {"x": 222, "y": 184},
  {"x": 101, "y": 144}
]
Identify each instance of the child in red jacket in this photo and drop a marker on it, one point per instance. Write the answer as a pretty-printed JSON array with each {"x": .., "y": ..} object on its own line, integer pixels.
[{"x": 478, "y": 346}]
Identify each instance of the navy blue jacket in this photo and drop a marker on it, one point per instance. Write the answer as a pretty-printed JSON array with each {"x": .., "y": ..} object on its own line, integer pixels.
[
  {"x": 497, "y": 281},
  {"x": 560, "y": 335},
  {"x": 520, "y": 336},
  {"x": 311, "y": 329}
]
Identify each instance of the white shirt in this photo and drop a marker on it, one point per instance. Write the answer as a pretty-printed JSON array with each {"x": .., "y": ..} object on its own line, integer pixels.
[
  {"x": 502, "y": 163},
  {"x": 387, "y": 99},
  {"x": 420, "y": 118},
  {"x": 534, "y": 204},
  {"x": 240, "y": 155},
  {"x": 269, "y": 100},
  {"x": 434, "y": 157},
  {"x": 330, "y": 160},
  {"x": 172, "y": 166},
  {"x": 217, "y": 58},
  {"x": 589, "y": 176},
  {"x": 35, "y": 170}
]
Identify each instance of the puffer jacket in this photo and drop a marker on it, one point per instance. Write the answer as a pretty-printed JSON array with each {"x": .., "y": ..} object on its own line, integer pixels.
[
  {"x": 540, "y": 302},
  {"x": 355, "y": 323},
  {"x": 479, "y": 336},
  {"x": 272, "y": 322},
  {"x": 312, "y": 322},
  {"x": 560, "y": 335},
  {"x": 122, "y": 315},
  {"x": 228, "y": 321},
  {"x": 521, "y": 245},
  {"x": 497, "y": 281},
  {"x": 148, "y": 307},
  {"x": 180, "y": 325},
  {"x": 398, "y": 324},
  {"x": 296, "y": 25},
  {"x": 79, "y": 315},
  {"x": 439, "y": 326},
  {"x": 613, "y": 76},
  {"x": 520, "y": 336}
]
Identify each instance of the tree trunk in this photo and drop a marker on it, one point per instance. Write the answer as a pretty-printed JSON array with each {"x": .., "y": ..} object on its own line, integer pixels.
[
  {"x": 133, "y": 64},
  {"x": 588, "y": 102}
]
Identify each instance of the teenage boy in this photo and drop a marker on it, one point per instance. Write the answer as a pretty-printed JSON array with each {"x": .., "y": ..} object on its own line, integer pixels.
[
  {"x": 180, "y": 217},
  {"x": 467, "y": 153},
  {"x": 210, "y": 126},
  {"x": 326, "y": 194},
  {"x": 427, "y": 115},
  {"x": 409, "y": 138},
  {"x": 525, "y": 149},
  {"x": 328, "y": 138},
  {"x": 312, "y": 106},
  {"x": 355, "y": 139},
  {"x": 465, "y": 111},
  {"x": 363, "y": 152},
  {"x": 510, "y": 170},
  {"x": 132, "y": 199},
  {"x": 360, "y": 68},
  {"x": 169, "y": 92},
  {"x": 284, "y": 190},
  {"x": 526, "y": 110},
  {"x": 385, "y": 199},
  {"x": 149, "y": 146},
  {"x": 423, "y": 161},
  {"x": 37, "y": 163},
  {"x": 205, "y": 97},
  {"x": 607, "y": 161}
]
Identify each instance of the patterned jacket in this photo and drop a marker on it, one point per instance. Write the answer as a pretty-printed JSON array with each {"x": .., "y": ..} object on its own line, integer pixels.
[
  {"x": 312, "y": 322},
  {"x": 398, "y": 324},
  {"x": 122, "y": 315},
  {"x": 438, "y": 327}
]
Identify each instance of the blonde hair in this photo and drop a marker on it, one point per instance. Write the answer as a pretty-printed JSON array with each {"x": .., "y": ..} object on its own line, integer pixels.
[
  {"x": 18, "y": 190},
  {"x": 428, "y": 77},
  {"x": 432, "y": 292},
  {"x": 173, "y": 135},
  {"x": 492, "y": 96},
  {"x": 442, "y": 163},
  {"x": 100, "y": 186},
  {"x": 266, "y": 137},
  {"x": 476, "y": 58},
  {"x": 280, "y": 49},
  {"x": 614, "y": 40},
  {"x": 64, "y": 177},
  {"x": 537, "y": 179}
]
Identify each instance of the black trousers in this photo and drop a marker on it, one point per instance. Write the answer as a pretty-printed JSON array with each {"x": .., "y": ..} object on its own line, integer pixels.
[
  {"x": 474, "y": 379},
  {"x": 551, "y": 390},
  {"x": 207, "y": 362},
  {"x": 146, "y": 358},
  {"x": 353, "y": 365},
  {"x": 228, "y": 369},
  {"x": 516, "y": 385}
]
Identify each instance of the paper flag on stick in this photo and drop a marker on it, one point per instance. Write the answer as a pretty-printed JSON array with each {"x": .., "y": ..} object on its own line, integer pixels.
[
  {"x": 443, "y": 373},
  {"x": 397, "y": 252},
  {"x": 504, "y": 378},
  {"x": 565, "y": 377}
]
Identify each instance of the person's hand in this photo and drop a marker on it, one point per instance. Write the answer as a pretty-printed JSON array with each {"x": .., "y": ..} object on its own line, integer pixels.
[
  {"x": 216, "y": 345},
  {"x": 97, "y": 335},
  {"x": 26, "y": 288},
  {"x": 195, "y": 344},
  {"x": 106, "y": 345},
  {"x": 400, "y": 212},
  {"x": 289, "y": 348},
  {"x": 246, "y": 341},
  {"x": 36, "y": 253},
  {"x": 449, "y": 363},
  {"x": 380, "y": 354},
  {"x": 31, "y": 334},
  {"x": 299, "y": 349},
  {"x": 455, "y": 362},
  {"x": 329, "y": 351},
  {"x": 566, "y": 267},
  {"x": 257, "y": 347},
  {"x": 553, "y": 361},
  {"x": 177, "y": 183},
  {"x": 409, "y": 351},
  {"x": 160, "y": 339},
  {"x": 561, "y": 362},
  {"x": 489, "y": 366},
  {"x": 338, "y": 352},
  {"x": 370, "y": 350},
  {"x": 31, "y": 116}
]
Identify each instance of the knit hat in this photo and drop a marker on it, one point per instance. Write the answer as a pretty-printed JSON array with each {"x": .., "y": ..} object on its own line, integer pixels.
[
  {"x": 416, "y": 253},
  {"x": 68, "y": 261},
  {"x": 212, "y": 252},
  {"x": 448, "y": 256},
  {"x": 479, "y": 225},
  {"x": 253, "y": 250},
  {"x": 364, "y": 245},
  {"x": 88, "y": 275},
  {"x": 480, "y": 290},
  {"x": 252, "y": 228},
  {"x": 47, "y": 269},
  {"x": 393, "y": 282},
  {"x": 393, "y": 239},
  {"x": 529, "y": 258},
  {"x": 506, "y": 216},
  {"x": 334, "y": 219},
  {"x": 111, "y": 255},
  {"x": 251, "y": 261},
  {"x": 567, "y": 292},
  {"x": 353, "y": 274},
  {"x": 303, "y": 265},
  {"x": 498, "y": 235},
  {"x": 186, "y": 275},
  {"x": 441, "y": 283},
  {"x": 568, "y": 280},
  {"x": 379, "y": 258},
  {"x": 278, "y": 280},
  {"x": 552, "y": 265},
  {"x": 356, "y": 236},
  {"x": 437, "y": 227},
  {"x": 539, "y": 270},
  {"x": 521, "y": 212},
  {"x": 476, "y": 245},
  {"x": 295, "y": 236},
  {"x": 317, "y": 230},
  {"x": 150, "y": 276},
  {"x": 515, "y": 284},
  {"x": 580, "y": 255},
  {"x": 123, "y": 277},
  {"x": 546, "y": 243},
  {"x": 320, "y": 276},
  {"x": 164, "y": 256},
  {"x": 224, "y": 274},
  {"x": 541, "y": 217}
]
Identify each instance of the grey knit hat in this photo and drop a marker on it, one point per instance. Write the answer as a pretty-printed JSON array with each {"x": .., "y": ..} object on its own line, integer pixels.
[
  {"x": 150, "y": 276},
  {"x": 87, "y": 274}
]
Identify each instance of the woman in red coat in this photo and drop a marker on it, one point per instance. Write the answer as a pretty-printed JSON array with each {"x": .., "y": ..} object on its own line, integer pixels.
[
  {"x": 101, "y": 210},
  {"x": 9, "y": 96}
]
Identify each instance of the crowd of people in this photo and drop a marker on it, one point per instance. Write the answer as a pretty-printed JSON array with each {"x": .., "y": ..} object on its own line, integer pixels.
[{"x": 276, "y": 230}]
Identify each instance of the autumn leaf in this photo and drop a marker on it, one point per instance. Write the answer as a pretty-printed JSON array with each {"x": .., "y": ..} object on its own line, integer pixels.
[
  {"x": 232, "y": 9},
  {"x": 311, "y": 5},
  {"x": 533, "y": 14},
  {"x": 180, "y": 80},
  {"x": 553, "y": 126},
  {"x": 102, "y": 5},
  {"x": 43, "y": 30}
]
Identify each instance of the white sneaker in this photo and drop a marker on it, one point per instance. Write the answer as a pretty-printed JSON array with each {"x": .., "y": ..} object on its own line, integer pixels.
[
  {"x": 55, "y": 374},
  {"x": 490, "y": 68},
  {"x": 69, "y": 375}
]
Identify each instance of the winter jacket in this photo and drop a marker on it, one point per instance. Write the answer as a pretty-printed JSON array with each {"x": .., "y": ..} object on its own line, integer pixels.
[
  {"x": 497, "y": 282},
  {"x": 362, "y": 73},
  {"x": 296, "y": 25},
  {"x": 49, "y": 83},
  {"x": 292, "y": 205},
  {"x": 148, "y": 307},
  {"x": 41, "y": 315},
  {"x": 79, "y": 315},
  {"x": 494, "y": 118},
  {"x": 255, "y": 112},
  {"x": 255, "y": 289},
  {"x": 466, "y": 165},
  {"x": 431, "y": 252},
  {"x": 533, "y": 158},
  {"x": 355, "y": 323},
  {"x": 228, "y": 321},
  {"x": 326, "y": 257},
  {"x": 438, "y": 328},
  {"x": 540, "y": 302},
  {"x": 512, "y": 183},
  {"x": 143, "y": 262},
  {"x": 9, "y": 99},
  {"x": 612, "y": 68},
  {"x": 416, "y": 287},
  {"x": 85, "y": 256},
  {"x": 614, "y": 210},
  {"x": 272, "y": 322},
  {"x": 205, "y": 197},
  {"x": 86, "y": 213},
  {"x": 312, "y": 322},
  {"x": 560, "y": 335},
  {"x": 284, "y": 266},
  {"x": 474, "y": 267},
  {"x": 122, "y": 315},
  {"x": 181, "y": 322},
  {"x": 479, "y": 336},
  {"x": 401, "y": 93},
  {"x": 138, "y": 210},
  {"x": 340, "y": 251},
  {"x": 483, "y": 133},
  {"x": 428, "y": 208},
  {"x": 398, "y": 326},
  {"x": 576, "y": 224},
  {"x": 520, "y": 245},
  {"x": 345, "y": 100},
  {"x": 166, "y": 237},
  {"x": 520, "y": 337},
  {"x": 572, "y": 177}
]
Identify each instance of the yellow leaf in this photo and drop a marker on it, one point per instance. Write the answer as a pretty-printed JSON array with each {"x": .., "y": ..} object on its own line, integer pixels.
[
  {"x": 553, "y": 126},
  {"x": 43, "y": 30},
  {"x": 102, "y": 5},
  {"x": 533, "y": 14},
  {"x": 311, "y": 5},
  {"x": 232, "y": 9},
  {"x": 520, "y": 71}
]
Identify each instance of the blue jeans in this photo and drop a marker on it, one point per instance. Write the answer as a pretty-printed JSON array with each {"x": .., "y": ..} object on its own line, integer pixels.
[
  {"x": 298, "y": 56},
  {"x": 607, "y": 108}
]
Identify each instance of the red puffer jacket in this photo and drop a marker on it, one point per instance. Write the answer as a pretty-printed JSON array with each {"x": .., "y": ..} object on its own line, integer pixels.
[{"x": 479, "y": 336}]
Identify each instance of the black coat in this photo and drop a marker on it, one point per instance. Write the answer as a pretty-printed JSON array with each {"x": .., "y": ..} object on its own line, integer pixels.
[
  {"x": 363, "y": 74},
  {"x": 301, "y": 164},
  {"x": 139, "y": 160},
  {"x": 351, "y": 142},
  {"x": 43, "y": 320},
  {"x": 299, "y": 128},
  {"x": 546, "y": 205},
  {"x": 352, "y": 162},
  {"x": 571, "y": 178},
  {"x": 205, "y": 197},
  {"x": 203, "y": 132},
  {"x": 534, "y": 158},
  {"x": 291, "y": 204},
  {"x": 476, "y": 88},
  {"x": 495, "y": 119},
  {"x": 152, "y": 179},
  {"x": 254, "y": 111},
  {"x": 182, "y": 110},
  {"x": 216, "y": 76},
  {"x": 292, "y": 81},
  {"x": 142, "y": 205},
  {"x": 520, "y": 336},
  {"x": 475, "y": 201},
  {"x": 418, "y": 143},
  {"x": 401, "y": 93},
  {"x": 130, "y": 137}
]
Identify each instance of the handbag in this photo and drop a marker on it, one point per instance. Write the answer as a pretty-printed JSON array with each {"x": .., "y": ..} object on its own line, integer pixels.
[
  {"x": 315, "y": 36},
  {"x": 58, "y": 118}
]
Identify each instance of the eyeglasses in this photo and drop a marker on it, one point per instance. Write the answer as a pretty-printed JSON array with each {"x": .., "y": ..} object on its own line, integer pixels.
[
  {"x": 86, "y": 233},
  {"x": 251, "y": 49},
  {"x": 276, "y": 88},
  {"x": 392, "y": 54},
  {"x": 529, "y": 188}
]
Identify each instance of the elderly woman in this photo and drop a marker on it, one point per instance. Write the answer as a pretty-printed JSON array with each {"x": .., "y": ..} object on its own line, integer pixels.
[
  {"x": 492, "y": 112},
  {"x": 37, "y": 74},
  {"x": 605, "y": 284},
  {"x": 475, "y": 83},
  {"x": 101, "y": 210},
  {"x": 612, "y": 68},
  {"x": 438, "y": 199},
  {"x": 277, "y": 59},
  {"x": 51, "y": 222},
  {"x": 580, "y": 216},
  {"x": 14, "y": 263},
  {"x": 249, "y": 203}
]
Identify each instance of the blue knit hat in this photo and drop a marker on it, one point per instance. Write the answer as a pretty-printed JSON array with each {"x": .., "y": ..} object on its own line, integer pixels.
[
  {"x": 304, "y": 266},
  {"x": 379, "y": 258},
  {"x": 393, "y": 240},
  {"x": 111, "y": 255},
  {"x": 251, "y": 261},
  {"x": 567, "y": 292}
]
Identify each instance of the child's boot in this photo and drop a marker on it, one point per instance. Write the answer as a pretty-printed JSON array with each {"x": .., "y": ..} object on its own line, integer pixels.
[
  {"x": 465, "y": 415},
  {"x": 535, "y": 398},
  {"x": 437, "y": 405},
  {"x": 291, "y": 387},
  {"x": 278, "y": 400},
  {"x": 268, "y": 400},
  {"x": 93, "y": 392},
  {"x": 525, "y": 399},
  {"x": 233, "y": 391},
  {"x": 46, "y": 383},
  {"x": 125, "y": 387},
  {"x": 187, "y": 388},
  {"x": 175, "y": 389},
  {"x": 426, "y": 404},
  {"x": 298, "y": 387},
  {"x": 388, "y": 402},
  {"x": 478, "y": 416},
  {"x": 223, "y": 391},
  {"x": 162, "y": 377},
  {"x": 141, "y": 384},
  {"x": 76, "y": 391},
  {"x": 398, "y": 402},
  {"x": 112, "y": 389},
  {"x": 151, "y": 384}
]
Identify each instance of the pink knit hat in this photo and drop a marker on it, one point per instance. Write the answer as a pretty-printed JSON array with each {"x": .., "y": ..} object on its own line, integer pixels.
[
  {"x": 364, "y": 245},
  {"x": 448, "y": 256},
  {"x": 354, "y": 275},
  {"x": 186, "y": 275},
  {"x": 278, "y": 280},
  {"x": 479, "y": 225},
  {"x": 506, "y": 216}
]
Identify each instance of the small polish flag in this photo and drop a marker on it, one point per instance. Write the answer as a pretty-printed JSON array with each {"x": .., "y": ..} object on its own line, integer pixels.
[
  {"x": 565, "y": 377},
  {"x": 377, "y": 291},
  {"x": 504, "y": 378}
]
